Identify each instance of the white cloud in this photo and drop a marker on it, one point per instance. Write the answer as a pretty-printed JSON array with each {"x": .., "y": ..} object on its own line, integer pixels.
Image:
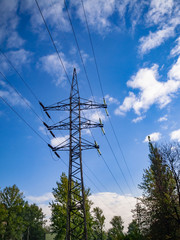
[
  {"x": 153, "y": 136},
  {"x": 111, "y": 100},
  {"x": 47, "y": 211},
  {"x": 165, "y": 15},
  {"x": 52, "y": 65},
  {"x": 58, "y": 140},
  {"x": 175, "y": 135},
  {"x": 94, "y": 115},
  {"x": 174, "y": 72},
  {"x": 155, "y": 39},
  {"x": 162, "y": 119},
  {"x": 53, "y": 11},
  {"x": 43, "y": 202},
  {"x": 127, "y": 104},
  {"x": 41, "y": 199},
  {"x": 159, "y": 11},
  {"x": 98, "y": 13},
  {"x": 134, "y": 8},
  {"x": 176, "y": 50},
  {"x": 114, "y": 204},
  {"x": 19, "y": 57},
  {"x": 151, "y": 91},
  {"x": 8, "y": 24},
  {"x": 43, "y": 130},
  {"x": 9, "y": 94},
  {"x": 138, "y": 119}
]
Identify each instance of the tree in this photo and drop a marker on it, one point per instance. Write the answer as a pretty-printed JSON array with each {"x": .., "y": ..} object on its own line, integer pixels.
[
  {"x": 116, "y": 232},
  {"x": 59, "y": 209},
  {"x": 34, "y": 222},
  {"x": 157, "y": 207},
  {"x": 3, "y": 217},
  {"x": 134, "y": 231},
  {"x": 98, "y": 224},
  {"x": 171, "y": 156},
  {"x": 11, "y": 200}
]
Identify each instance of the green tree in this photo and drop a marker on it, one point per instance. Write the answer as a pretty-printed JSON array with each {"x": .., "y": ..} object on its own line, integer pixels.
[
  {"x": 134, "y": 231},
  {"x": 59, "y": 210},
  {"x": 11, "y": 200},
  {"x": 3, "y": 217},
  {"x": 34, "y": 222},
  {"x": 116, "y": 232},
  {"x": 98, "y": 224},
  {"x": 157, "y": 208}
]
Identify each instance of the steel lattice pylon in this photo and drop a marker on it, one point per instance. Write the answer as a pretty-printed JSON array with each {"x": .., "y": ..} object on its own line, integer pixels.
[{"x": 76, "y": 213}]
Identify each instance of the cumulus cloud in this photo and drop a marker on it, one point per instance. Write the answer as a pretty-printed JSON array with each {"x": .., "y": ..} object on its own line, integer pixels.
[
  {"x": 151, "y": 91},
  {"x": 41, "y": 199},
  {"x": 153, "y": 136},
  {"x": 43, "y": 202},
  {"x": 52, "y": 65},
  {"x": 114, "y": 204},
  {"x": 175, "y": 135},
  {"x": 162, "y": 119}
]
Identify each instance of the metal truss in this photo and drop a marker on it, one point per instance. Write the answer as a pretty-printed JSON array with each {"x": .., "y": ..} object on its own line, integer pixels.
[{"x": 75, "y": 123}]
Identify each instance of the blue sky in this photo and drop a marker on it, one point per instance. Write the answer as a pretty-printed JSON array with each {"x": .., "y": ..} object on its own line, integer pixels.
[{"x": 137, "y": 46}]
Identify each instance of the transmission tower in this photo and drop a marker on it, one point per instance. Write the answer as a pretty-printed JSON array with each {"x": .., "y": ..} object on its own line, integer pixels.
[{"x": 76, "y": 229}]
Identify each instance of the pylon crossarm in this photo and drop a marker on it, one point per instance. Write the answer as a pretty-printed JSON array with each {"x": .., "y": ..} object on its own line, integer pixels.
[
  {"x": 89, "y": 104},
  {"x": 64, "y": 105},
  {"x": 62, "y": 125},
  {"x": 60, "y": 106}
]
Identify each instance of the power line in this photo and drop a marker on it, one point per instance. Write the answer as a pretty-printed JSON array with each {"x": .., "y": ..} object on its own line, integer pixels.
[
  {"x": 10, "y": 63},
  {"x": 57, "y": 49},
  {"x": 97, "y": 69},
  {"x": 122, "y": 153},
  {"x": 23, "y": 119},
  {"x": 90, "y": 84},
  {"x": 27, "y": 103},
  {"x": 95, "y": 177},
  {"x": 117, "y": 162},
  {"x": 78, "y": 46},
  {"x": 31, "y": 126},
  {"x": 60, "y": 59},
  {"x": 58, "y": 52},
  {"x": 24, "y": 100},
  {"x": 112, "y": 175},
  {"x": 100, "y": 82}
]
